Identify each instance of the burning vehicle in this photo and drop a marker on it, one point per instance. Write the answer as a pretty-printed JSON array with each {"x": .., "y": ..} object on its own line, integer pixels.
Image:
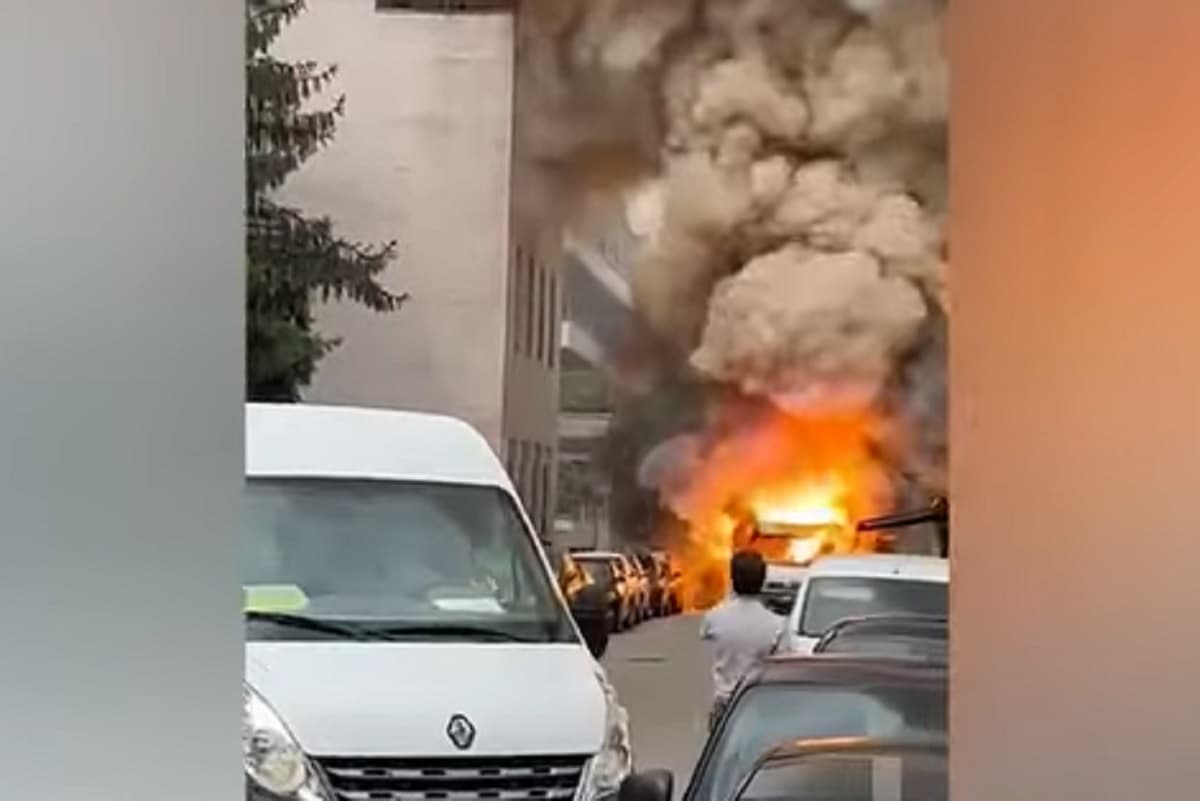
[
  {"x": 791, "y": 488},
  {"x": 788, "y": 548},
  {"x": 791, "y": 535},
  {"x": 797, "y": 539}
]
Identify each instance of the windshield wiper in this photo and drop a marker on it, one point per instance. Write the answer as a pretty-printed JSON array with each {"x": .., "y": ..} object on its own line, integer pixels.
[
  {"x": 454, "y": 630},
  {"x": 348, "y": 631}
]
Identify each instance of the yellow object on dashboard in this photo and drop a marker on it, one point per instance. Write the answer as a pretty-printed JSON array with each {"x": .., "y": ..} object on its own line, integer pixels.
[{"x": 274, "y": 598}]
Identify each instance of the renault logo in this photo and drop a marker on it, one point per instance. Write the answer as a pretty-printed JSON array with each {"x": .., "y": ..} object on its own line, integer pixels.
[{"x": 461, "y": 732}]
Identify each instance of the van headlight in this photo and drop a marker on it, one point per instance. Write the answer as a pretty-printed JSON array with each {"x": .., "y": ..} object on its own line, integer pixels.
[
  {"x": 614, "y": 760},
  {"x": 273, "y": 759}
]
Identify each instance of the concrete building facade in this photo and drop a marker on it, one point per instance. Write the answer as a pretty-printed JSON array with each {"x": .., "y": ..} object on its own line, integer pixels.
[{"x": 425, "y": 156}]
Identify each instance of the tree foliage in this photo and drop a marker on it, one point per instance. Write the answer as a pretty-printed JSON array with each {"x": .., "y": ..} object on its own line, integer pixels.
[{"x": 293, "y": 261}]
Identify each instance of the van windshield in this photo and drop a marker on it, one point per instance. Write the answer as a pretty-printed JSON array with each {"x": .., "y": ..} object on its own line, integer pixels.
[
  {"x": 832, "y": 599},
  {"x": 398, "y": 559}
]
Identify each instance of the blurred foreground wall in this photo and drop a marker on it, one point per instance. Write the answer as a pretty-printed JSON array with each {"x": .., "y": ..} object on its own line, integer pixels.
[{"x": 1076, "y": 399}]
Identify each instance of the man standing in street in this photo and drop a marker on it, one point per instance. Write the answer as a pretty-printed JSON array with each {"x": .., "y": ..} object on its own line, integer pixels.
[{"x": 742, "y": 630}]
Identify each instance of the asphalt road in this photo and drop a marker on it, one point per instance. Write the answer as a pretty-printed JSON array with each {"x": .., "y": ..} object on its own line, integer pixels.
[{"x": 662, "y": 672}]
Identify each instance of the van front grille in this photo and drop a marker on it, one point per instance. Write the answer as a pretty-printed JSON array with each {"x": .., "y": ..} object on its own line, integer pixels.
[{"x": 549, "y": 778}]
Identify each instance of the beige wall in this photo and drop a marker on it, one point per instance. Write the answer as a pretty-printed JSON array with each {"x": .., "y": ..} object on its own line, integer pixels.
[
  {"x": 1076, "y": 400},
  {"x": 422, "y": 157},
  {"x": 425, "y": 156}
]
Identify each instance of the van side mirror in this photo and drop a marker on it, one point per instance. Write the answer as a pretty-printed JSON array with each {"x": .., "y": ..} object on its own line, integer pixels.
[
  {"x": 590, "y": 610},
  {"x": 652, "y": 785}
]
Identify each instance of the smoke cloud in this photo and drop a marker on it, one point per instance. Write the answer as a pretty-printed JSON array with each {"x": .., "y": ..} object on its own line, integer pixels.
[{"x": 789, "y": 158}]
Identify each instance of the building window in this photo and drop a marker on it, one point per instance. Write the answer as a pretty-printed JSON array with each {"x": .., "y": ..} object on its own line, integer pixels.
[
  {"x": 510, "y": 459},
  {"x": 552, "y": 333},
  {"x": 540, "y": 293},
  {"x": 523, "y": 471},
  {"x": 545, "y": 509},
  {"x": 535, "y": 499},
  {"x": 522, "y": 301},
  {"x": 530, "y": 269},
  {"x": 514, "y": 299}
]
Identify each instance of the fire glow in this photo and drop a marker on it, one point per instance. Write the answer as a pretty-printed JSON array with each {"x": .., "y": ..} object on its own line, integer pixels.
[
  {"x": 788, "y": 486},
  {"x": 815, "y": 504},
  {"x": 811, "y": 517}
]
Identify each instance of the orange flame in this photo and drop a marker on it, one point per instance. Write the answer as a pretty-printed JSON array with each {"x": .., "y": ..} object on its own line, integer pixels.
[
  {"x": 812, "y": 475},
  {"x": 808, "y": 503}
]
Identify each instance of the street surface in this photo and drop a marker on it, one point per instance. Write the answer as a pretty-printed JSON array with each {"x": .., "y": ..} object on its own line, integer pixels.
[{"x": 662, "y": 672}]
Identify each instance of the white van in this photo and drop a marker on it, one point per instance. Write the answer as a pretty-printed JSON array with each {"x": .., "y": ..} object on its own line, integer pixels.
[
  {"x": 835, "y": 588},
  {"x": 404, "y": 637}
]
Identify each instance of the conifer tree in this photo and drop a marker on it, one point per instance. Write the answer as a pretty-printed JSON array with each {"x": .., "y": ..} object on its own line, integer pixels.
[{"x": 292, "y": 260}]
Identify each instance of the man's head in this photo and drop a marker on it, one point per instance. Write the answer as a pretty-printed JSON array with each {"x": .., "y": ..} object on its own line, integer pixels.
[{"x": 748, "y": 571}]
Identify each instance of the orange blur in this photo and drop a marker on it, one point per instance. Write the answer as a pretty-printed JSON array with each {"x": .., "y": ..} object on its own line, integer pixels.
[{"x": 810, "y": 471}]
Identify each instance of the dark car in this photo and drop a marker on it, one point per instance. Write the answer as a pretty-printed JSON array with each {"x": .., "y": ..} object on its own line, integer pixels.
[
  {"x": 572, "y": 579},
  {"x": 672, "y": 578},
  {"x": 862, "y": 769},
  {"x": 888, "y": 635},
  {"x": 813, "y": 697},
  {"x": 609, "y": 573}
]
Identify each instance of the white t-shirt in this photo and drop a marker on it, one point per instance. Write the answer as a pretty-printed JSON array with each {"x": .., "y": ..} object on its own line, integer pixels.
[{"x": 743, "y": 632}]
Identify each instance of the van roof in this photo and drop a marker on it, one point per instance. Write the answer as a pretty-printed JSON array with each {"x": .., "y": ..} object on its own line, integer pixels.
[
  {"x": 302, "y": 440},
  {"x": 931, "y": 568}
]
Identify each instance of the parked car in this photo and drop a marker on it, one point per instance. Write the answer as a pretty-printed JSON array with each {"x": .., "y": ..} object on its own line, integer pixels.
[
  {"x": 643, "y": 588},
  {"x": 835, "y": 588},
  {"x": 639, "y": 560},
  {"x": 851, "y": 770},
  {"x": 781, "y": 585},
  {"x": 802, "y": 698},
  {"x": 396, "y": 602},
  {"x": 609, "y": 570},
  {"x": 888, "y": 635},
  {"x": 572, "y": 578},
  {"x": 673, "y": 578},
  {"x": 830, "y": 769}
]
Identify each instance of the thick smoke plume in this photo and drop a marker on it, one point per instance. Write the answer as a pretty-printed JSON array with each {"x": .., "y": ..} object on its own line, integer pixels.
[{"x": 789, "y": 162}]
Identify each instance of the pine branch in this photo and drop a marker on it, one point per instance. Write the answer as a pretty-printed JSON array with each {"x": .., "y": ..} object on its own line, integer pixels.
[{"x": 293, "y": 260}]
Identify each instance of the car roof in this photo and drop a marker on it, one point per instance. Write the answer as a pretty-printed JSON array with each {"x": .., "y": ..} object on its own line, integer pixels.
[
  {"x": 312, "y": 441},
  {"x": 927, "y": 638},
  {"x": 598, "y": 556},
  {"x": 844, "y": 669},
  {"x": 899, "y": 566}
]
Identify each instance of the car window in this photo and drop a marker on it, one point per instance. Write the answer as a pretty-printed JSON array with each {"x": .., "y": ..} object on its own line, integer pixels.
[
  {"x": 895, "y": 777},
  {"x": 768, "y": 715},
  {"x": 830, "y": 599},
  {"x": 601, "y": 572}
]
